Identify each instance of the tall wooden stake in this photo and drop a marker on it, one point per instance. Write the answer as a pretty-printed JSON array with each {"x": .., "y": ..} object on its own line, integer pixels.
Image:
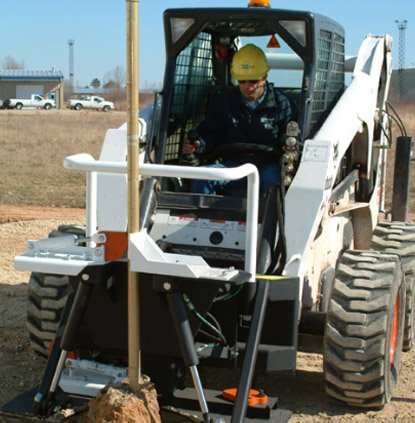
[{"x": 134, "y": 362}]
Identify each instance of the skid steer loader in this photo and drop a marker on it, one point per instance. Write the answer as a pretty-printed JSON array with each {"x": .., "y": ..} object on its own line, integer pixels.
[{"x": 234, "y": 282}]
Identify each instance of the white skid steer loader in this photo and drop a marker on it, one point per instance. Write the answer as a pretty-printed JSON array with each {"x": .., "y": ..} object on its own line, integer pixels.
[{"x": 235, "y": 281}]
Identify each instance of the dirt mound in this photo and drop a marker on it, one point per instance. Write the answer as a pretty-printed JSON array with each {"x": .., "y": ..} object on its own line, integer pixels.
[{"x": 118, "y": 404}]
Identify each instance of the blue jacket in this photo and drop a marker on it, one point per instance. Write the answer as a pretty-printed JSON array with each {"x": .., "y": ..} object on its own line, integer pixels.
[{"x": 230, "y": 121}]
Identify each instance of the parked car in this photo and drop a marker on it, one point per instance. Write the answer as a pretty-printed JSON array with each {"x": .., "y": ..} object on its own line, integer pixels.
[
  {"x": 35, "y": 100},
  {"x": 91, "y": 102}
]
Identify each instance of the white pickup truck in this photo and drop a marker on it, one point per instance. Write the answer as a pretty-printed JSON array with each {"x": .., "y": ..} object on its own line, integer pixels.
[
  {"x": 91, "y": 102},
  {"x": 35, "y": 100}
]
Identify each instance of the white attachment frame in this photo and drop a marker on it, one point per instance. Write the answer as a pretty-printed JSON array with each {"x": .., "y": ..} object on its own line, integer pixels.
[
  {"x": 61, "y": 255},
  {"x": 145, "y": 255}
]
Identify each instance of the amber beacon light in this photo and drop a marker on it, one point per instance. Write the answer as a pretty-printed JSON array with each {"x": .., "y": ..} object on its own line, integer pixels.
[{"x": 259, "y": 3}]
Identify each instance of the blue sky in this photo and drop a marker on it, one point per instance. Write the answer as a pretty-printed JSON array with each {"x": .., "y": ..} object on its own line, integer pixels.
[{"x": 38, "y": 31}]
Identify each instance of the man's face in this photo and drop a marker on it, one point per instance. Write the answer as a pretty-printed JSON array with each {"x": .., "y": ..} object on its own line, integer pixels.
[{"x": 252, "y": 90}]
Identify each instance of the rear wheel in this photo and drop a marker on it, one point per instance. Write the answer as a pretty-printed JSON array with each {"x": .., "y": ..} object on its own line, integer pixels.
[
  {"x": 364, "y": 328},
  {"x": 19, "y": 106},
  {"x": 78, "y": 106},
  {"x": 399, "y": 238},
  {"x": 46, "y": 299}
]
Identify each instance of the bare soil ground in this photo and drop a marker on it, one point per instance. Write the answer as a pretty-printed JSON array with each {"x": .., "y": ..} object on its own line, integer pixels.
[{"x": 20, "y": 369}]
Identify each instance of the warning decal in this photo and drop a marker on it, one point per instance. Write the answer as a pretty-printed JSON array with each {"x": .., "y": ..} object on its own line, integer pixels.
[{"x": 273, "y": 42}]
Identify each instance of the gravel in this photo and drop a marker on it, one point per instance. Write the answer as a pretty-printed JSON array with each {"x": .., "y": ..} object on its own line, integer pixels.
[{"x": 302, "y": 393}]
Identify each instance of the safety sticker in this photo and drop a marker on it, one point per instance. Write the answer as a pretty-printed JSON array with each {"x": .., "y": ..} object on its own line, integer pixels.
[
  {"x": 241, "y": 227},
  {"x": 273, "y": 42},
  {"x": 183, "y": 221},
  {"x": 216, "y": 224}
]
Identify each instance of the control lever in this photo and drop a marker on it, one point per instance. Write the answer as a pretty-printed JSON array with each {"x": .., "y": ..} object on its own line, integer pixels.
[
  {"x": 191, "y": 159},
  {"x": 193, "y": 136}
]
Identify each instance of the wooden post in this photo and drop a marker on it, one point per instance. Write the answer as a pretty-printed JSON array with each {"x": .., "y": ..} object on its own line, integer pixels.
[{"x": 134, "y": 362}]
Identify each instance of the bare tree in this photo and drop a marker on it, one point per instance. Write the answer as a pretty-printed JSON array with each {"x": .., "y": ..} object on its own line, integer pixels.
[
  {"x": 114, "y": 82},
  {"x": 67, "y": 89},
  {"x": 9, "y": 62},
  {"x": 117, "y": 76}
]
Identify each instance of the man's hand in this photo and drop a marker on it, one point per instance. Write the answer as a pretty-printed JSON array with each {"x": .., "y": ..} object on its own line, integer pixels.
[{"x": 190, "y": 147}]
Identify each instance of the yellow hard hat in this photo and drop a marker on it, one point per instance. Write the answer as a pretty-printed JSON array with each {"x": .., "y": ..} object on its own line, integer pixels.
[{"x": 249, "y": 63}]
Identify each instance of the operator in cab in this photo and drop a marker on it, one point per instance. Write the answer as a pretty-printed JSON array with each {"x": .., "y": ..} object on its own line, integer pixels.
[{"x": 252, "y": 114}]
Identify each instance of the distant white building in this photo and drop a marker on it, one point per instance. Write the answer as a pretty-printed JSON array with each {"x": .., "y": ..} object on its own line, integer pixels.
[{"x": 22, "y": 83}]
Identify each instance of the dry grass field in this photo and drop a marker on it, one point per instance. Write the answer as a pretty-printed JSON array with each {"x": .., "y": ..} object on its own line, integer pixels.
[{"x": 33, "y": 145}]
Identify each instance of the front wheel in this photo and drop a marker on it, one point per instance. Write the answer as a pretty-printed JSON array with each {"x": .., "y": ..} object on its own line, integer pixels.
[
  {"x": 106, "y": 108},
  {"x": 46, "y": 299},
  {"x": 45, "y": 302},
  {"x": 48, "y": 106},
  {"x": 364, "y": 328}
]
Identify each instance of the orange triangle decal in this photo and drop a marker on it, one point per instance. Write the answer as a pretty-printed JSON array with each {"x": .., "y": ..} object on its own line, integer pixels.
[{"x": 273, "y": 43}]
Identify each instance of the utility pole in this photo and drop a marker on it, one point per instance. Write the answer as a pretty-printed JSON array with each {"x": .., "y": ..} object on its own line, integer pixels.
[
  {"x": 402, "y": 27},
  {"x": 71, "y": 62}
]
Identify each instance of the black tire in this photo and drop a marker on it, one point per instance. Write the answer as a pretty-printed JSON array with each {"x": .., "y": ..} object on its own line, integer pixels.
[
  {"x": 46, "y": 299},
  {"x": 19, "y": 106},
  {"x": 48, "y": 106},
  {"x": 106, "y": 108},
  {"x": 399, "y": 238},
  {"x": 78, "y": 106},
  {"x": 364, "y": 328}
]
